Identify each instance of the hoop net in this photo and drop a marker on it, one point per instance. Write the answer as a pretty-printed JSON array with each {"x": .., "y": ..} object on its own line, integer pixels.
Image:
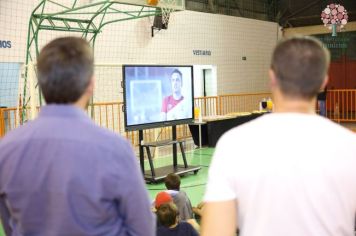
[{"x": 167, "y": 8}]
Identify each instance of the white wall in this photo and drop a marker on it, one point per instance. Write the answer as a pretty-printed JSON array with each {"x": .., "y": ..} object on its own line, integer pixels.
[
  {"x": 228, "y": 38},
  {"x": 130, "y": 42}
]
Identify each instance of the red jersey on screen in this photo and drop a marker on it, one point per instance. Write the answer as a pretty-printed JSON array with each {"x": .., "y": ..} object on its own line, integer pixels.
[{"x": 169, "y": 102}]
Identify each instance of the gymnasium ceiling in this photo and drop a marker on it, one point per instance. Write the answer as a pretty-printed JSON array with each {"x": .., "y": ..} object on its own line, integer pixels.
[
  {"x": 296, "y": 13},
  {"x": 288, "y": 13}
]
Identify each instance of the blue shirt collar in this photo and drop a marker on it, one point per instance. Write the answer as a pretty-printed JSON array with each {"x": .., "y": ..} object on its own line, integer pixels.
[{"x": 63, "y": 110}]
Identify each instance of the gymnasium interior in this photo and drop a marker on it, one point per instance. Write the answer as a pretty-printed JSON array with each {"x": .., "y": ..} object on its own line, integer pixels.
[{"x": 224, "y": 45}]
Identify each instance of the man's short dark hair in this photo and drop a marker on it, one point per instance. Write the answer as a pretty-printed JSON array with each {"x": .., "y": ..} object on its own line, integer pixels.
[
  {"x": 300, "y": 65},
  {"x": 167, "y": 214},
  {"x": 65, "y": 68},
  {"x": 172, "y": 182},
  {"x": 176, "y": 71}
]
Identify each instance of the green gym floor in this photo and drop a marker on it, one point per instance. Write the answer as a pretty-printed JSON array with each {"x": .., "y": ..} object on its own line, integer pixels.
[{"x": 193, "y": 185}]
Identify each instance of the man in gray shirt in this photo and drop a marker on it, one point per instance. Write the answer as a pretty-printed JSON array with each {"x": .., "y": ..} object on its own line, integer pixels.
[{"x": 63, "y": 175}]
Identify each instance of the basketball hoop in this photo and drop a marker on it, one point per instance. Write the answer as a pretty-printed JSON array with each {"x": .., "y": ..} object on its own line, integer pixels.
[
  {"x": 166, "y": 9},
  {"x": 335, "y": 17}
]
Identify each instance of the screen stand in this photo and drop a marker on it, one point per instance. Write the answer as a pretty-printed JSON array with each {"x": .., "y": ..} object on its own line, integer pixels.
[
  {"x": 142, "y": 156},
  {"x": 156, "y": 174},
  {"x": 174, "y": 137}
]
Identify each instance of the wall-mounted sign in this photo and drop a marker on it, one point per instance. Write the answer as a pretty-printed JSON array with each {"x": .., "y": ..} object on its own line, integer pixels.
[
  {"x": 202, "y": 52},
  {"x": 5, "y": 44},
  {"x": 335, "y": 42}
]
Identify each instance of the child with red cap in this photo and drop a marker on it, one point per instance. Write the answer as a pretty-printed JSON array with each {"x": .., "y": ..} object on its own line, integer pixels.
[{"x": 161, "y": 198}]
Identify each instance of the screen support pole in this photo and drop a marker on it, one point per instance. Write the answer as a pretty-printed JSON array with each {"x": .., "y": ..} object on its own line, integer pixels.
[
  {"x": 142, "y": 157},
  {"x": 174, "y": 137}
]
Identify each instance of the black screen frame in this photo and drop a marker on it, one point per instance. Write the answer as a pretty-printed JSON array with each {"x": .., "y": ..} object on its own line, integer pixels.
[{"x": 159, "y": 123}]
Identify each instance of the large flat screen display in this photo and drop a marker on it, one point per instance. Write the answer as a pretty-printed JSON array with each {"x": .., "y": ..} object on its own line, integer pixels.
[{"x": 157, "y": 95}]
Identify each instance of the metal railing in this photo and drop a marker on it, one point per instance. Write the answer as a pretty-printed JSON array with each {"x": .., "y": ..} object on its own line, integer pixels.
[
  {"x": 245, "y": 102},
  {"x": 9, "y": 119},
  {"x": 209, "y": 106},
  {"x": 340, "y": 105}
]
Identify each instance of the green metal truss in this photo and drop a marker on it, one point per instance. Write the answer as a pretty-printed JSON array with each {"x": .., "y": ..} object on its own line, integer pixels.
[{"x": 87, "y": 20}]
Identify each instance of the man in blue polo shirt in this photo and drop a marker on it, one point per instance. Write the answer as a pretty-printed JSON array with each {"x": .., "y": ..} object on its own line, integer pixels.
[{"x": 63, "y": 175}]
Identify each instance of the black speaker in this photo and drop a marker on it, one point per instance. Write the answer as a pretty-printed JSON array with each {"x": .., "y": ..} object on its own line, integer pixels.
[{"x": 158, "y": 23}]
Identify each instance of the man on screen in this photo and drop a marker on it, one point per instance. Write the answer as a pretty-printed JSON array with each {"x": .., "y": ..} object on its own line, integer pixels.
[{"x": 173, "y": 106}]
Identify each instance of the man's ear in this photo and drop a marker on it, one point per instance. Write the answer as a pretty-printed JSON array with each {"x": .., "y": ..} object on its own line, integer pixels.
[
  {"x": 90, "y": 88},
  {"x": 272, "y": 79},
  {"x": 325, "y": 82}
]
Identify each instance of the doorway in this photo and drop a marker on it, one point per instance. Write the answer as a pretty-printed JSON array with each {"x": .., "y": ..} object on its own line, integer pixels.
[{"x": 205, "y": 81}]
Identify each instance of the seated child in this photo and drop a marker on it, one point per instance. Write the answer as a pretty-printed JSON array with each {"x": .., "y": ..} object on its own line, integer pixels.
[
  {"x": 180, "y": 198},
  {"x": 165, "y": 197},
  {"x": 161, "y": 198},
  {"x": 170, "y": 225}
]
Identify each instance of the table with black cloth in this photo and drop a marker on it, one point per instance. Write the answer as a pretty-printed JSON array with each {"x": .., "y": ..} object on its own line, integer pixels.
[{"x": 211, "y": 131}]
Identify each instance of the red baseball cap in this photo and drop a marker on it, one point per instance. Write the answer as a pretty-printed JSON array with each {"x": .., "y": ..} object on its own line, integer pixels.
[{"x": 161, "y": 198}]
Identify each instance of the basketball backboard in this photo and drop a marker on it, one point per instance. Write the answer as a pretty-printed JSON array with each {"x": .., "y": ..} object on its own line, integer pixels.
[{"x": 173, "y": 4}]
